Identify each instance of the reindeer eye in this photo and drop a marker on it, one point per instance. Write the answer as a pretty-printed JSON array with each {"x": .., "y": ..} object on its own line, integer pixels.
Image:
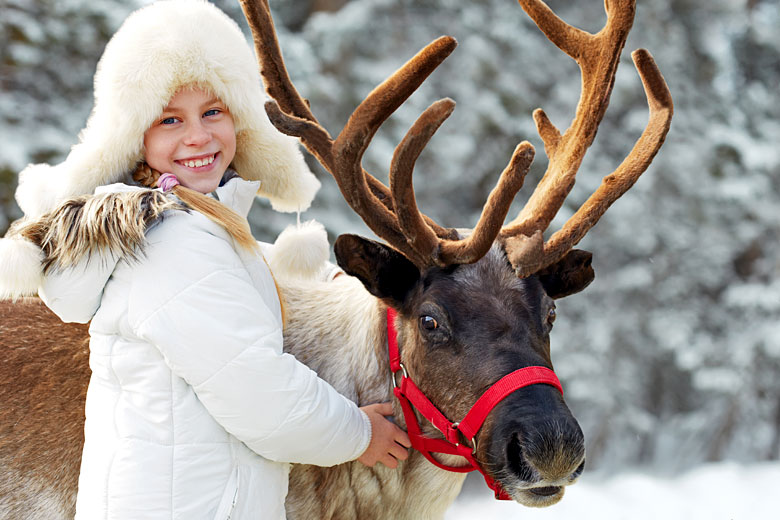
[
  {"x": 551, "y": 316},
  {"x": 428, "y": 323}
]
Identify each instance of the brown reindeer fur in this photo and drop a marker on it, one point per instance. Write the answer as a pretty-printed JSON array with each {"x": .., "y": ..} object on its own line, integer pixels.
[{"x": 42, "y": 430}]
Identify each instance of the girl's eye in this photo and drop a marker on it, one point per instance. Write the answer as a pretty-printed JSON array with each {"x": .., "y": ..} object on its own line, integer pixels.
[
  {"x": 428, "y": 323},
  {"x": 212, "y": 112},
  {"x": 168, "y": 121},
  {"x": 551, "y": 316}
]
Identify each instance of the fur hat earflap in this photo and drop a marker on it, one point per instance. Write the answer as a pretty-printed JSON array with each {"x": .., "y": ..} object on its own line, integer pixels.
[
  {"x": 21, "y": 271},
  {"x": 300, "y": 251},
  {"x": 160, "y": 49}
]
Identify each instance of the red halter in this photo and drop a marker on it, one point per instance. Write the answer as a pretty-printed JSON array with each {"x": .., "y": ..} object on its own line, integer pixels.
[{"x": 410, "y": 397}]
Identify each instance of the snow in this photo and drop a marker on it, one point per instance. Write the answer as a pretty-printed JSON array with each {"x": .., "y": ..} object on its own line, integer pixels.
[{"x": 724, "y": 491}]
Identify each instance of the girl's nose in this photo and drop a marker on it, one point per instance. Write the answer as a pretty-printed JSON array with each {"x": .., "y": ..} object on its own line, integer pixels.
[{"x": 196, "y": 134}]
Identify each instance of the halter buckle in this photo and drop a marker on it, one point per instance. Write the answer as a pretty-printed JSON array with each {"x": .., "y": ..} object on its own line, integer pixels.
[{"x": 405, "y": 374}]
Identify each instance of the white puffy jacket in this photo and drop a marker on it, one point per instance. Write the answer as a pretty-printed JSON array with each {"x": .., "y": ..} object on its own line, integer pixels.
[{"x": 193, "y": 411}]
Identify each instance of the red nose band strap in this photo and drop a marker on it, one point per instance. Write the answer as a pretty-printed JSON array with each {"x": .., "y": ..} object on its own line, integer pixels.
[
  {"x": 501, "y": 389},
  {"x": 411, "y": 397}
]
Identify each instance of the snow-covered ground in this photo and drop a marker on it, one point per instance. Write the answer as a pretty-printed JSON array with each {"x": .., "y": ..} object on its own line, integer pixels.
[{"x": 724, "y": 491}]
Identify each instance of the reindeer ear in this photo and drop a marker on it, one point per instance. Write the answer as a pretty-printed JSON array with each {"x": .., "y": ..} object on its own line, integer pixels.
[
  {"x": 569, "y": 275},
  {"x": 385, "y": 272}
]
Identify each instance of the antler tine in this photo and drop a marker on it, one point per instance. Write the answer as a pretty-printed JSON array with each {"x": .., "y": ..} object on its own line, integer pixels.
[
  {"x": 382, "y": 193},
  {"x": 288, "y": 111},
  {"x": 474, "y": 247},
  {"x": 597, "y": 56},
  {"x": 568, "y": 38},
  {"x": 275, "y": 77},
  {"x": 319, "y": 142},
  {"x": 420, "y": 238},
  {"x": 614, "y": 185}
]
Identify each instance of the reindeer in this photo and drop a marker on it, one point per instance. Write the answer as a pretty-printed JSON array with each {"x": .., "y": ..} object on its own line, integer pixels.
[{"x": 467, "y": 307}]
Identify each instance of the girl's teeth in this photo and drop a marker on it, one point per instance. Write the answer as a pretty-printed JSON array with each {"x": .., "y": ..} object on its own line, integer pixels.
[{"x": 198, "y": 162}]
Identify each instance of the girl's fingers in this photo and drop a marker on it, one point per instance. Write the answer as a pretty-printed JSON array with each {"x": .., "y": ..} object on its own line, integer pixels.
[
  {"x": 402, "y": 438},
  {"x": 399, "y": 452}
]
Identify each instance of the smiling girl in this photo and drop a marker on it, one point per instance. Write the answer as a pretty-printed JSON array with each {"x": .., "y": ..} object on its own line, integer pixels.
[{"x": 193, "y": 410}]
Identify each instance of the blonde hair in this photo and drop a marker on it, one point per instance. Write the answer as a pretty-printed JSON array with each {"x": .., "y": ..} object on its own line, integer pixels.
[{"x": 237, "y": 227}]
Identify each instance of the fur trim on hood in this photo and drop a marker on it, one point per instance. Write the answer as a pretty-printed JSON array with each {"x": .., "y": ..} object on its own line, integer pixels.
[
  {"x": 113, "y": 224},
  {"x": 158, "y": 50}
]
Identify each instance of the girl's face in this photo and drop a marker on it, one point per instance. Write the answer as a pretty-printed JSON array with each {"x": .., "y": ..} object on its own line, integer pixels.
[{"x": 194, "y": 138}]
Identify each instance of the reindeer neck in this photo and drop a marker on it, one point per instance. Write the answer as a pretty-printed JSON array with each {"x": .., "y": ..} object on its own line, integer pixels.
[
  {"x": 337, "y": 328},
  {"x": 340, "y": 330}
]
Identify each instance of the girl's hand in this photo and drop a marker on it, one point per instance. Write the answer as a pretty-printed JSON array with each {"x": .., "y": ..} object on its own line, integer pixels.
[{"x": 389, "y": 443}]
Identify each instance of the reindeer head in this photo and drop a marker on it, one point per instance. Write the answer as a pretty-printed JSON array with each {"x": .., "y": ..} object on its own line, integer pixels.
[{"x": 474, "y": 306}]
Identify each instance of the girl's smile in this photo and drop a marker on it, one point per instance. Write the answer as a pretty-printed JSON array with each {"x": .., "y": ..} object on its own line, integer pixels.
[
  {"x": 197, "y": 162},
  {"x": 194, "y": 139}
]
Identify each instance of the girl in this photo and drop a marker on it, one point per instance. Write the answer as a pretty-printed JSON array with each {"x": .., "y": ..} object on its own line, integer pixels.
[{"x": 192, "y": 411}]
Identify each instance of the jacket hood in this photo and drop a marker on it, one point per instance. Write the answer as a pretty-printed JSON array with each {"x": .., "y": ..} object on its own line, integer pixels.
[{"x": 158, "y": 50}]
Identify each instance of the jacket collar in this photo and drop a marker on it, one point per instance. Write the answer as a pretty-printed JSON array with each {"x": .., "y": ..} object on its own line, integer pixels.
[{"x": 237, "y": 194}]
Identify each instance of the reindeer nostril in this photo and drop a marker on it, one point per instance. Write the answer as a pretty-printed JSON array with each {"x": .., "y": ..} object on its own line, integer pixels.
[
  {"x": 517, "y": 460},
  {"x": 578, "y": 471}
]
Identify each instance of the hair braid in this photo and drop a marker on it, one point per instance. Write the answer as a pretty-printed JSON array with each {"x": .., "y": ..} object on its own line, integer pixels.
[{"x": 145, "y": 175}]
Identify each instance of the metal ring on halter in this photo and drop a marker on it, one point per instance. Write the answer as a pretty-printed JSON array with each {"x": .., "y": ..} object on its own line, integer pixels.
[
  {"x": 405, "y": 374},
  {"x": 473, "y": 439}
]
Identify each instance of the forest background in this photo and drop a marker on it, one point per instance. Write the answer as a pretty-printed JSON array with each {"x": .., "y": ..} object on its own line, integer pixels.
[{"x": 671, "y": 358}]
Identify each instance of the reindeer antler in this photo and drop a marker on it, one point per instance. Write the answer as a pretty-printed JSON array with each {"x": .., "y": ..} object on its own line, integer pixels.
[
  {"x": 393, "y": 214},
  {"x": 598, "y": 56}
]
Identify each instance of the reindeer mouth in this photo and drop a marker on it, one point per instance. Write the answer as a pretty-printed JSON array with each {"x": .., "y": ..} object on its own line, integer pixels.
[
  {"x": 547, "y": 491},
  {"x": 539, "y": 496}
]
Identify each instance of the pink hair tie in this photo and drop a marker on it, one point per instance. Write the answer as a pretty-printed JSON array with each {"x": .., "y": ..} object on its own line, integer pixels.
[{"x": 167, "y": 181}]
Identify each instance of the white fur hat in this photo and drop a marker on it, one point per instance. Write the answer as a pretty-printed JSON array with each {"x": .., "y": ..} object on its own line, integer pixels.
[{"x": 159, "y": 49}]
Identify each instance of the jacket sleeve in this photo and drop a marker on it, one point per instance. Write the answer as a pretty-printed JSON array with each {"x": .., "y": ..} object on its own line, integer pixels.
[
  {"x": 218, "y": 332},
  {"x": 74, "y": 293}
]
